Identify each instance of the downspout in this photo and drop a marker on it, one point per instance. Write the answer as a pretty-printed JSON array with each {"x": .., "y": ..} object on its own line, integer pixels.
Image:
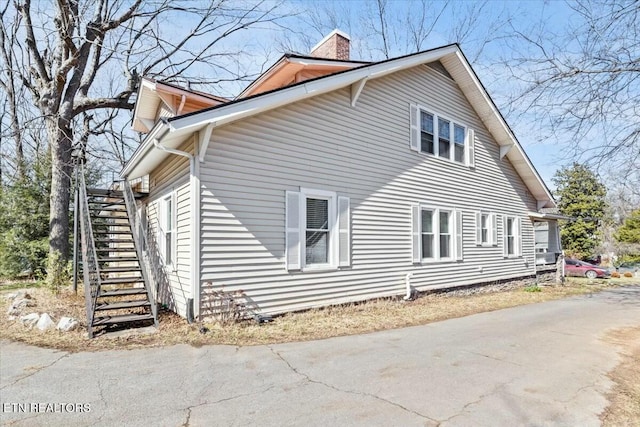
[
  {"x": 194, "y": 190},
  {"x": 407, "y": 282}
]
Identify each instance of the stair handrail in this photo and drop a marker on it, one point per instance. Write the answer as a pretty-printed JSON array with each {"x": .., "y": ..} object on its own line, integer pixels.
[
  {"x": 90, "y": 265},
  {"x": 142, "y": 247}
]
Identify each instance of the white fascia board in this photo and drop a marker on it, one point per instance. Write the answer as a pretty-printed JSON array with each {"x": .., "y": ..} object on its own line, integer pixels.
[
  {"x": 548, "y": 216},
  {"x": 143, "y": 148},
  {"x": 323, "y": 62},
  {"x": 269, "y": 101}
]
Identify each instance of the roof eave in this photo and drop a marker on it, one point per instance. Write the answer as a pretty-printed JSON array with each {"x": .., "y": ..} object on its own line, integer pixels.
[{"x": 143, "y": 149}]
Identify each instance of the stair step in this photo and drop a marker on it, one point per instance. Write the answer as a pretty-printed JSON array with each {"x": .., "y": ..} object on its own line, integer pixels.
[
  {"x": 109, "y": 216},
  {"x": 121, "y": 280},
  {"x": 122, "y": 292},
  {"x": 126, "y": 318},
  {"x": 112, "y": 193},
  {"x": 103, "y": 192},
  {"x": 119, "y": 249},
  {"x": 119, "y": 259},
  {"x": 122, "y": 304},
  {"x": 106, "y": 203},
  {"x": 119, "y": 269},
  {"x": 112, "y": 232}
]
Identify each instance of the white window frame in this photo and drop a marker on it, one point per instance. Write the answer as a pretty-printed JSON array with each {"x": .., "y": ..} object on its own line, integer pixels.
[
  {"x": 162, "y": 223},
  {"x": 455, "y": 234},
  {"x": 517, "y": 236},
  {"x": 492, "y": 229},
  {"x": 468, "y": 136},
  {"x": 332, "y": 241},
  {"x": 339, "y": 230}
]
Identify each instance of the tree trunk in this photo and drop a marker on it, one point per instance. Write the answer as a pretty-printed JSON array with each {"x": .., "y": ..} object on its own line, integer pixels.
[{"x": 60, "y": 138}]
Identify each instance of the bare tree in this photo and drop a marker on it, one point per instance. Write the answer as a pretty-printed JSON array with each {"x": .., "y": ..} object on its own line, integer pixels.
[
  {"x": 79, "y": 60},
  {"x": 420, "y": 23},
  {"x": 581, "y": 85}
]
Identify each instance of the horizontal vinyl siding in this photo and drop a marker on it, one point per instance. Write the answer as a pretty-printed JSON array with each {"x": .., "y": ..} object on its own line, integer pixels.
[
  {"x": 362, "y": 153},
  {"x": 173, "y": 175}
]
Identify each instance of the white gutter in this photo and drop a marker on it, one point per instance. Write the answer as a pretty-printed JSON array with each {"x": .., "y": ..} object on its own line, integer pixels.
[
  {"x": 194, "y": 196},
  {"x": 228, "y": 113}
]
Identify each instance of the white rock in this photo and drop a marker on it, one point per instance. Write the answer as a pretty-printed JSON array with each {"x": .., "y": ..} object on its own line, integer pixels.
[
  {"x": 11, "y": 296},
  {"x": 45, "y": 322},
  {"x": 12, "y": 318},
  {"x": 18, "y": 303},
  {"x": 30, "y": 319},
  {"x": 67, "y": 324}
]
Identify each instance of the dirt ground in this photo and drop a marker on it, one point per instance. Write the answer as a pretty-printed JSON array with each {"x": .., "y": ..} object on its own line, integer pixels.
[
  {"x": 314, "y": 324},
  {"x": 624, "y": 398}
]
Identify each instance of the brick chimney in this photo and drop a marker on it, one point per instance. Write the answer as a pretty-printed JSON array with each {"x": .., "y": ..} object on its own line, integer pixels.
[{"x": 333, "y": 46}]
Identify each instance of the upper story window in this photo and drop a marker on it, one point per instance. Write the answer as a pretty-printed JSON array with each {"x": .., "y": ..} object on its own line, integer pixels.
[
  {"x": 440, "y": 136},
  {"x": 426, "y": 133}
]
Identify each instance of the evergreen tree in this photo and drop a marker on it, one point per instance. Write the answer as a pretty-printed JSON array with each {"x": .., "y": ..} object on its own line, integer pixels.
[
  {"x": 582, "y": 197},
  {"x": 629, "y": 231},
  {"x": 628, "y": 237},
  {"x": 24, "y": 222}
]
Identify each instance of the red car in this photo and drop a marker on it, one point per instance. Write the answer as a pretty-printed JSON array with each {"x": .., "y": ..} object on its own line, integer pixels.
[{"x": 573, "y": 267}]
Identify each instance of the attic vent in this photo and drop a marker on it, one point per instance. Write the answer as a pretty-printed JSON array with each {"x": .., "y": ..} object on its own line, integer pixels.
[{"x": 437, "y": 65}]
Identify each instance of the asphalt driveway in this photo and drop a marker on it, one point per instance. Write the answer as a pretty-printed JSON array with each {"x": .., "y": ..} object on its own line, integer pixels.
[{"x": 542, "y": 364}]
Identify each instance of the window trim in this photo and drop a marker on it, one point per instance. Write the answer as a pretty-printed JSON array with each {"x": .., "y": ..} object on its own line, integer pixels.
[
  {"x": 517, "y": 236},
  {"x": 492, "y": 232},
  {"x": 162, "y": 224},
  {"x": 332, "y": 211},
  {"x": 455, "y": 233},
  {"x": 436, "y": 135}
]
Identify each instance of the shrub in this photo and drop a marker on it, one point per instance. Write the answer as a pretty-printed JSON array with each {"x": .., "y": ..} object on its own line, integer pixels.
[
  {"x": 533, "y": 288},
  {"x": 615, "y": 275},
  {"x": 628, "y": 274}
]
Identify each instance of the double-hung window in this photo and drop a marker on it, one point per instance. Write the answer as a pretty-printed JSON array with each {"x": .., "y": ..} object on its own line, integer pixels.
[
  {"x": 486, "y": 229},
  {"x": 428, "y": 234},
  {"x": 437, "y": 234},
  {"x": 426, "y": 133},
  {"x": 167, "y": 229},
  {"x": 445, "y": 234},
  {"x": 512, "y": 242},
  {"x": 317, "y": 230},
  {"x": 435, "y": 134},
  {"x": 444, "y": 138}
]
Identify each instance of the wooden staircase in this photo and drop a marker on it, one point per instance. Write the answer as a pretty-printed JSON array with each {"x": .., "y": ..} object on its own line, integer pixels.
[{"x": 121, "y": 299}]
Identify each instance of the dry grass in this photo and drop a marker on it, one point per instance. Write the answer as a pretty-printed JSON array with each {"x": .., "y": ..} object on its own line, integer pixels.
[
  {"x": 624, "y": 398},
  {"x": 309, "y": 325}
]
